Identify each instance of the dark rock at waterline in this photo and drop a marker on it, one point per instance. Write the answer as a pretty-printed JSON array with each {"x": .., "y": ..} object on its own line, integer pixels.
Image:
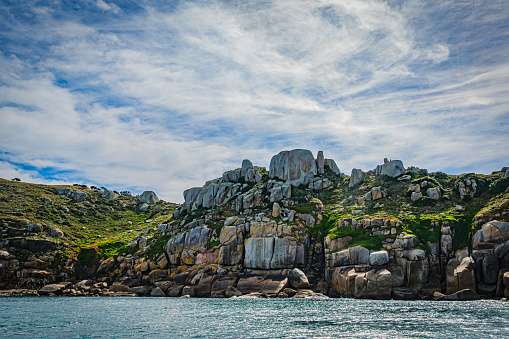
[{"x": 463, "y": 295}]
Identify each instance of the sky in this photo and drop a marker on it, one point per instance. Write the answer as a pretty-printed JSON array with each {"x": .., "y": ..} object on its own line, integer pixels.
[{"x": 163, "y": 96}]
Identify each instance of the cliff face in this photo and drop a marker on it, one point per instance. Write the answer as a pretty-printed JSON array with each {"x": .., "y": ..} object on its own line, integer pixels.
[{"x": 303, "y": 228}]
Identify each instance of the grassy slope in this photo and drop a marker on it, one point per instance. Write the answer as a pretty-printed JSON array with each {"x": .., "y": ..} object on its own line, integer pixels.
[
  {"x": 95, "y": 222},
  {"x": 341, "y": 202},
  {"x": 104, "y": 223}
]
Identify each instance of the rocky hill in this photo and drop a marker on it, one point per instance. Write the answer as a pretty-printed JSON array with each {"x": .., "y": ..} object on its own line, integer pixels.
[{"x": 301, "y": 228}]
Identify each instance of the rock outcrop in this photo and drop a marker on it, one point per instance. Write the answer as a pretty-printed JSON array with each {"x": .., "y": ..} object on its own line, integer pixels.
[
  {"x": 253, "y": 233},
  {"x": 296, "y": 166},
  {"x": 391, "y": 168},
  {"x": 148, "y": 197},
  {"x": 356, "y": 177}
]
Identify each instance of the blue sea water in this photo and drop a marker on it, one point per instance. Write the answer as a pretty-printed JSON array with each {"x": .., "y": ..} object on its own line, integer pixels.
[{"x": 64, "y": 317}]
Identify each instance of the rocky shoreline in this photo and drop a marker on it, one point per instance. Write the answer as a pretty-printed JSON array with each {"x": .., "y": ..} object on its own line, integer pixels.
[{"x": 302, "y": 229}]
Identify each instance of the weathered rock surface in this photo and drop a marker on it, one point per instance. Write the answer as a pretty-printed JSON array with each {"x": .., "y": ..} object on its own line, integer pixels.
[
  {"x": 491, "y": 235},
  {"x": 391, "y": 168},
  {"x": 107, "y": 194},
  {"x": 53, "y": 288},
  {"x": 298, "y": 279},
  {"x": 378, "y": 258},
  {"x": 79, "y": 196},
  {"x": 353, "y": 256},
  {"x": 331, "y": 164},
  {"x": 273, "y": 253},
  {"x": 374, "y": 284},
  {"x": 434, "y": 193},
  {"x": 356, "y": 177},
  {"x": 148, "y": 197},
  {"x": 157, "y": 292},
  {"x": 463, "y": 295},
  {"x": 296, "y": 166}
]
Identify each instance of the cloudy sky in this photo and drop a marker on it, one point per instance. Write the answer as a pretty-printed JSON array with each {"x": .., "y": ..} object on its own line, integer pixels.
[{"x": 164, "y": 97}]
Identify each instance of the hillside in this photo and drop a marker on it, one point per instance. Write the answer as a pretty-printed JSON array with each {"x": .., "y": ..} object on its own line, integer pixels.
[
  {"x": 253, "y": 230},
  {"x": 63, "y": 221}
]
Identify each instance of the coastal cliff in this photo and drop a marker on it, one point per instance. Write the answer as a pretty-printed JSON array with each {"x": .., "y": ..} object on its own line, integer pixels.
[{"x": 302, "y": 228}]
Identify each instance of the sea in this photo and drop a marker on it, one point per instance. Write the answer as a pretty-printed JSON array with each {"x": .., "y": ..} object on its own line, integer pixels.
[{"x": 117, "y": 317}]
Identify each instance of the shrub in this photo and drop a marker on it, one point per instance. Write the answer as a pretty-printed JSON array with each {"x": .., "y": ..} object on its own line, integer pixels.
[{"x": 499, "y": 185}]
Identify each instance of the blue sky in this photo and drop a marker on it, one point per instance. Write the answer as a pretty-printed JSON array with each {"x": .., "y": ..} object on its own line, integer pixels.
[{"x": 165, "y": 97}]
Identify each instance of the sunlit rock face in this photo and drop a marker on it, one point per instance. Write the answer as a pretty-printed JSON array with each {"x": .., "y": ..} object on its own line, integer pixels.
[{"x": 297, "y": 166}]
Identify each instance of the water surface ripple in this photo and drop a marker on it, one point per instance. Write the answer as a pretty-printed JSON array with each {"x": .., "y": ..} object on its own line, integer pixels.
[{"x": 60, "y": 317}]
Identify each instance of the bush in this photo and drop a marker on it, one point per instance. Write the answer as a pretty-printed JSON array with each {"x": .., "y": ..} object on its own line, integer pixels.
[
  {"x": 424, "y": 201},
  {"x": 439, "y": 175},
  {"x": 499, "y": 185}
]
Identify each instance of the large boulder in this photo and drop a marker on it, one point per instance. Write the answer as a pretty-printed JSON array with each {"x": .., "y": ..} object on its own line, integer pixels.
[
  {"x": 460, "y": 275},
  {"x": 174, "y": 291},
  {"x": 258, "y": 253},
  {"x": 273, "y": 253},
  {"x": 157, "y": 292},
  {"x": 434, "y": 193},
  {"x": 356, "y": 255},
  {"x": 285, "y": 253},
  {"x": 232, "y": 176},
  {"x": 204, "y": 287},
  {"x": 148, "y": 197},
  {"x": 53, "y": 288},
  {"x": 337, "y": 259},
  {"x": 463, "y": 295},
  {"x": 405, "y": 242},
  {"x": 274, "y": 284},
  {"x": 404, "y": 293},
  {"x": 378, "y": 258},
  {"x": 270, "y": 285},
  {"x": 298, "y": 279},
  {"x": 416, "y": 273},
  {"x": 374, "y": 284},
  {"x": 251, "y": 284},
  {"x": 376, "y": 193},
  {"x": 276, "y": 210},
  {"x": 109, "y": 195},
  {"x": 415, "y": 196},
  {"x": 356, "y": 177},
  {"x": 490, "y": 269},
  {"x": 331, "y": 164},
  {"x": 232, "y": 249},
  {"x": 79, "y": 196},
  {"x": 246, "y": 165},
  {"x": 157, "y": 275},
  {"x": 197, "y": 238},
  {"x": 391, "y": 168},
  {"x": 190, "y": 196},
  {"x": 378, "y": 285},
  {"x": 414, "y": 254},
  {"x": 320, "y": 162},
  {"x": 359, "y": 255},
  {"x": 232, "y": 292},
  {"x": 220, "y": 285},
  {"x": 335, "y": 244},
  {"x": 491, "y": 235},
  {"x": 297, "y": 166},
  {"x": 185, "y": 245},
  {"x": 397, "y": 274}
]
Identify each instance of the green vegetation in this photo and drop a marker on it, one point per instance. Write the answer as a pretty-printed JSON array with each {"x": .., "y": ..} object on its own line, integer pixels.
[
  {"x": 103, "y": 228},
  {"x": 211, "y": 244},
  {"x": 107, "y": 225},
  {"x": 499, "y": 185},
  {"x": 305, "y": 209},
  {"x": 341, "y": 202}
]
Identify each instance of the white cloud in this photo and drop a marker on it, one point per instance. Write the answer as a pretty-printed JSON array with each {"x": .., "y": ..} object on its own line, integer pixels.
[
  {"x": 166, "y": 100},
  {"x": 107, "y": 7}
]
